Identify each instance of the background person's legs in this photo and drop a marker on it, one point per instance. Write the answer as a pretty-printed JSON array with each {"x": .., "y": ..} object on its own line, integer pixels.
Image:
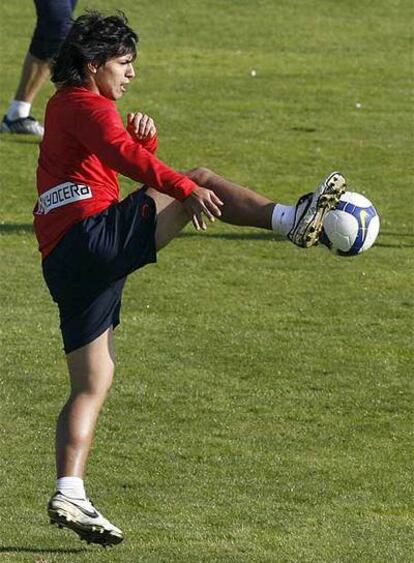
[
  {"x": 52, "y": 26},
  {"x": 35, "y": 73}
]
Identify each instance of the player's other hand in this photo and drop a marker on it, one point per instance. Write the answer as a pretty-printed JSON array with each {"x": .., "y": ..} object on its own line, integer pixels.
[
  {"x": 141, "y": 126},
  {"x": 201, "y": 202}
]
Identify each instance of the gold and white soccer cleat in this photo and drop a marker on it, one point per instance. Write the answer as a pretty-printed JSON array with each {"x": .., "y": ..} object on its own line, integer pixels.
[
  {"x": 82, "y": 517},
  {"x": 312, "y": 208}
]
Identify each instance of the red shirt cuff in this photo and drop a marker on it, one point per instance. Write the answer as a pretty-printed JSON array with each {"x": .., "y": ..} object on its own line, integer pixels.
[{"x": 184, "y": 188}]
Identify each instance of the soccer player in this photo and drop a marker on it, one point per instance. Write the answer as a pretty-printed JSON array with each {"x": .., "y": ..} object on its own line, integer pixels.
[
  {"x": 90, "y": 241},
  {"x": 53, "y": 23}
]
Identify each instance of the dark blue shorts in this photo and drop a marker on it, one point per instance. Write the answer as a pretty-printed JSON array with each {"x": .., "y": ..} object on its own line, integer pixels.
[
  {"x": 54, "y": 19},
  {"x": 87, "y": 270}
]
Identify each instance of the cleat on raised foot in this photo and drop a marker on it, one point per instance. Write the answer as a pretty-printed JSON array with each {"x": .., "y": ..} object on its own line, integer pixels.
[
  {"x": 311, "y": 210},
  {"x": 82, "y": 517}
]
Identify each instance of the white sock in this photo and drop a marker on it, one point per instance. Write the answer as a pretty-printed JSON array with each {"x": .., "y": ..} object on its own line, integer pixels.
[
  {"x": 71, "y": 487},
  {"x": 18, "y": 109},
  {"x": 283, "y": 218}
]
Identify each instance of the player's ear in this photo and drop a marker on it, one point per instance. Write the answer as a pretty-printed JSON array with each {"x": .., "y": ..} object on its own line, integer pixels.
[{"x": 92, "y": 67}]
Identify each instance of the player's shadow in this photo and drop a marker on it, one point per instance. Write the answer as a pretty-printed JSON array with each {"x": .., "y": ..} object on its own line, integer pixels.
[
  {"x": 408, "y": 241},
  {"x": 269, "y": 236},
  {"x": 40, "y": 551},
  {"x": 399, "y": 235},
  {"x": 265, "y": 235},
  {"x": 393, "y": 245},
  {"x": 14, "y": 228},
  {"x": 22, "y": 139}
]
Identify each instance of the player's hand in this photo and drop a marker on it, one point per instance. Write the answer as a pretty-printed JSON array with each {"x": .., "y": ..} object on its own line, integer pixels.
[
  {"x": 201, "y": 202},
  {"x": 141, "y": 126}
]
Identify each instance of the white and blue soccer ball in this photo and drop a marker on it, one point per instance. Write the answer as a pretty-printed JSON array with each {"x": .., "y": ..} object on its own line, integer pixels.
[{"x": 352, "y": 227}]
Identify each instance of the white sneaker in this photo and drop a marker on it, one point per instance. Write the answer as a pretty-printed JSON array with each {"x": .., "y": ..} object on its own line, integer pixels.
[
  {"x": 82, "y": 517},
  {"x": 312, "y": 208}
]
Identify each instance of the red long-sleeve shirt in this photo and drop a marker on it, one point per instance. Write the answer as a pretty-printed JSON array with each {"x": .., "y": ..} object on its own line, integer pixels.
[{"x": 84, "y": 148}]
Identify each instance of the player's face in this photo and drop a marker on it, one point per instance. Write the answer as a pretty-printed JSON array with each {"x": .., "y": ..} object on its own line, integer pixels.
[{"x": 111, "y": 79}]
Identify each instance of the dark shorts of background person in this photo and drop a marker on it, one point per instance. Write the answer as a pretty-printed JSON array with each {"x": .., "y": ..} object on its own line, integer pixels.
[
  {"x": 54, "y": 19},
  {"x": 87, "y": 270}
]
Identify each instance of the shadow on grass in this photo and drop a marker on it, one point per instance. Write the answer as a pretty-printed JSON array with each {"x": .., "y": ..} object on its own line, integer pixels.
[
  {"x": 396, "y": 245},
  {"x": 23, "y": 549},
  {"x": 304, "y": 129},
  {"x": 20, "y": 139},
  {"x": 405, "y": 244},
  {"x": 13, "y": 228},
  {"x": 401, "y": 235},
  {"x": 265, "y": 235}
]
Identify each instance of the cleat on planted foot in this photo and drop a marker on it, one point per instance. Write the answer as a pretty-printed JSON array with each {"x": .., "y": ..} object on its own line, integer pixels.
[
  {"x": 312, "y": 208},
  {"x": 82, "y": 517}
]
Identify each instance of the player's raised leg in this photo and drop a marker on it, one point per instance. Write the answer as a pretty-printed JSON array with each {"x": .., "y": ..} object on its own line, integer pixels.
[
  {"x": 241, "y": 206},
  {"x": 171, "y": 217},
  {"x": 300, "y": 223}
]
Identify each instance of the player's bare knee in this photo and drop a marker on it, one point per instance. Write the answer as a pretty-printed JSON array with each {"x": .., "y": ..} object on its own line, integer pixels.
[
  {"x": 95, "y": 382},
  {"x": 200, "y": 175}
]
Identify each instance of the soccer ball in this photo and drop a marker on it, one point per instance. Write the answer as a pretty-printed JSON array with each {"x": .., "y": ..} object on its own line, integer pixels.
[{"x": 352, "y": 227}]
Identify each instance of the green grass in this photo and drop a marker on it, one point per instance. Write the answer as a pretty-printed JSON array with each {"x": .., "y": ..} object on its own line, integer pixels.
[{"x": 262, "y": 409}]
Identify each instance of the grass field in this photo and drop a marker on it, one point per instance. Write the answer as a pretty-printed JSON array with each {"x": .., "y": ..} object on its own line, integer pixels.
[{"x": 263, "y": 407}]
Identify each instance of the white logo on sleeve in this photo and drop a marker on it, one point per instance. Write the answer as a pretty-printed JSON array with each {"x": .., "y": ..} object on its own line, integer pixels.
[{"x": 60, "y": 195}]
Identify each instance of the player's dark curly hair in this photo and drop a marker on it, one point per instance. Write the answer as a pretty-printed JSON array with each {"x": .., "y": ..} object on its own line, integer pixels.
[{"x": 92, "y": 38}]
